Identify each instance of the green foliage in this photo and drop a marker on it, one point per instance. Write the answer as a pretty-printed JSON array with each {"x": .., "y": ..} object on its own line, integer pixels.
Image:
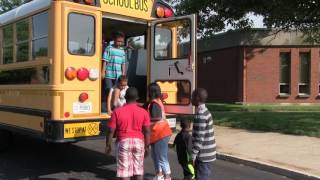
[
  {"x": 7, "y": 5},
  {"x": 214, "y": 15},
  {"x": 297, "y": 123}
]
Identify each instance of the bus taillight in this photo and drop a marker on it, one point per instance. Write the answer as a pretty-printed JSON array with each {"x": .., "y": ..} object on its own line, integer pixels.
[
  {"x": 70, "y": 73},
  {"x": 163, "y": 12},
  {"x": 83, "y": 97},
  {"x": 168, "y": 12},
  {"x": 160, "y": 12},
  {"x": 83, "y": 74}
]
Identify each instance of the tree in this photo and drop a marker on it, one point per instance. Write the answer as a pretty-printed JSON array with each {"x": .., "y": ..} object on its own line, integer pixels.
[
  {"x": 214, "y": 15},
  {"x": 7, "y": 5}
]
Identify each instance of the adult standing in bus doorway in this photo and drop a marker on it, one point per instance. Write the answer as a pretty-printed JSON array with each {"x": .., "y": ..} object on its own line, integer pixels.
[
  {"x": 114, "y": 62},
  {"x": 160, "y": 134},
  {"x": 204, "y": 144}
]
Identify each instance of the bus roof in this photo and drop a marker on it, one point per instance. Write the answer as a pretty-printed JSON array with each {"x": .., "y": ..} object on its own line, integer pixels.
[
  {"x": 24, "y": 10},
  {"x": 144, "y": 10}
]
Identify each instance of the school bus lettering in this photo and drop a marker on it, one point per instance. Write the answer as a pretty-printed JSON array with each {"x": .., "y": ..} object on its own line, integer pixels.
[{"x": 129, "y": 4}]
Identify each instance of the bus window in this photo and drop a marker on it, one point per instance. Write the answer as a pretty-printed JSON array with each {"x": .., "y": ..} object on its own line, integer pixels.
[
  {"x": 81, "y": 37},
  {"x": 37, "y": 75},
  {"x": 172, "y": 40},
  {"x": 7, "y": 44},
  {"x": 40, "y": 35},
  {"x": 22, "y": 29},
  {"x": 175, "y": 92}
]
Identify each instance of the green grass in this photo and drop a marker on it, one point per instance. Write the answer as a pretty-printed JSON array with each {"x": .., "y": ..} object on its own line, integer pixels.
[
  {"x": 263, "y": 107},
  {"x": 297, "y": 123}
]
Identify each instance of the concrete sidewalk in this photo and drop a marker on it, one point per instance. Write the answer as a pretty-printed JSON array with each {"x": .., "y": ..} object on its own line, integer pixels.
[{"x": 295, "y": 153}]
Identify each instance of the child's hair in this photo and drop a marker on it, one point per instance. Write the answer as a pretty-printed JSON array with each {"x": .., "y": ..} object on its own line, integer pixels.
[
  {"x": 123, "y": 78},
  {"x": 118, "y": 34},
  {"x": 185, "y": 124}
]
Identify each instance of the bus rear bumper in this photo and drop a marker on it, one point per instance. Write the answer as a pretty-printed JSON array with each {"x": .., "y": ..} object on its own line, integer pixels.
[{"x": 75, "y": 130}]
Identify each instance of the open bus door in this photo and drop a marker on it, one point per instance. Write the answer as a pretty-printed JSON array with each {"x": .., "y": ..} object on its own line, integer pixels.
[{"x": 173, "y": 61}]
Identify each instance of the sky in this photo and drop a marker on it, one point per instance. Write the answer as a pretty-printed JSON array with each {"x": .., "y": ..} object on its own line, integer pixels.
[{"x": 258, "y": 20}]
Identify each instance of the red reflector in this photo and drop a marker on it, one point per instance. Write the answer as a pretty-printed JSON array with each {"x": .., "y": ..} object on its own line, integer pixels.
[
  {"x": 83, "y": 97},
  {"x": 82, "y": 74},
  {"x": 70, "y": 73},
  {"x": 66, "y": 114},
  {"x": 168, "y": 12}
]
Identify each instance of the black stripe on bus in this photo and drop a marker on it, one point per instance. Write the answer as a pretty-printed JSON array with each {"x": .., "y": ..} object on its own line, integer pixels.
[{"x": 28, "y": 111}]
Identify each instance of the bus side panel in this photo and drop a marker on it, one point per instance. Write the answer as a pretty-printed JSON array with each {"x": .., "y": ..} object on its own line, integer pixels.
[
  {"x": 30, "y": 122},
  {"x": 56, "y": 44}
]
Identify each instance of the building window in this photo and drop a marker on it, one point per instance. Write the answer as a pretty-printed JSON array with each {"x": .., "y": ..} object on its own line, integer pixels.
[
  {"x": 285, "y": 73},
  {"x": 7, "y": 47},
  {"x": 40, "y": 35},
  {"x": 304, "y": 78},
  {"x": 22, "y": 29}
]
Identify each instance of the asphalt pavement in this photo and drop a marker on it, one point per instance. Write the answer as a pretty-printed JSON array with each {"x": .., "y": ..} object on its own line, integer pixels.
[{"x": 34, "y": 159}]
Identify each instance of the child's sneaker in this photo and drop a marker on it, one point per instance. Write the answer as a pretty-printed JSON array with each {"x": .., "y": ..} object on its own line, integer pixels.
[{"x": 158, "y": 178}]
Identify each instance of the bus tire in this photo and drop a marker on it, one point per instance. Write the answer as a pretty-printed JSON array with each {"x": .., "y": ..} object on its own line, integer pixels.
[{"x": 5, "y": 140}]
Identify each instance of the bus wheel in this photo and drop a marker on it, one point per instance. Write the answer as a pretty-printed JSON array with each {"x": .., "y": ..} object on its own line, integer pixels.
[{"x": 5, "y": 140}]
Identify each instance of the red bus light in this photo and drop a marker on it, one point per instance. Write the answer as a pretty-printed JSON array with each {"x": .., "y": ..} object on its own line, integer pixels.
[
  {"x": 168, "y": 12},
  {"x": 83, "y": 97},
  {"x": 66, "y": 114},
  {"x": 82, "y": 74}
]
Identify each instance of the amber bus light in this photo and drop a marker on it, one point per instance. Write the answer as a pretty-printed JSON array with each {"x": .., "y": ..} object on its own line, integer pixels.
[
  {"x": 71, "y": 73},
  {"x": 160, "y": 12}
]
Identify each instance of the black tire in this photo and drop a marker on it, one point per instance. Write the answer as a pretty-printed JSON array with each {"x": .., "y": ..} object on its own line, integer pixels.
[{"x": 5, "y": 140}]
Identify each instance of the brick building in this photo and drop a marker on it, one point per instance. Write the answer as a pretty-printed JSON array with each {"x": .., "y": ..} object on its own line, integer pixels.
[{"x": 259, "y": 66}]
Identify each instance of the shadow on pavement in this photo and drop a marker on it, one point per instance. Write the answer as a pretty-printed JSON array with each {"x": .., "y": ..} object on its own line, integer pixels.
[{"x": 33, "y": 159}]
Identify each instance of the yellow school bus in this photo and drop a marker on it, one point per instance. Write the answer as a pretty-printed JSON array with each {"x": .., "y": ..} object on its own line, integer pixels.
[{"x": 50, "y": 63}]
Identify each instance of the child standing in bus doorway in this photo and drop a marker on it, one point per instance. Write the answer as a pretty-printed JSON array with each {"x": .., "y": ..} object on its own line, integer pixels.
[
  {"x": 116, "y": 97},
  {"x": 114, "y": 62}
]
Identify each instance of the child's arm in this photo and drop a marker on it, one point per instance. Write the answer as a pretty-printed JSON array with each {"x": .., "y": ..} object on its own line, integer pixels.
[
  {"x": 103, "y": 70},
  {"x": 123, "y": 69},
  {"x": 115, "y": 96},
  {"x": 189, "y": 143}
]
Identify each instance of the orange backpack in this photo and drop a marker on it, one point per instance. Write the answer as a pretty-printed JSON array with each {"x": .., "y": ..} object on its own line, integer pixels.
[{"x": 159, "y": 129}]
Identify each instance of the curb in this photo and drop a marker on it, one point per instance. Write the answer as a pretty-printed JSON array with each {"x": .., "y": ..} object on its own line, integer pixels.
[{"x": 268, "y": 167}]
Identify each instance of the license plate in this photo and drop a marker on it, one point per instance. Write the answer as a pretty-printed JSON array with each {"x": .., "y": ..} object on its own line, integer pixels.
[
  {"x": 82, "y": 108},
  {"x": 172, "y": 122},
  {"x": 73, "y": 130}
]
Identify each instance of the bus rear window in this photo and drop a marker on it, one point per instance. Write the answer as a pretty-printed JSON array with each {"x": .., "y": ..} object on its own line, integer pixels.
[
  {"x": 81, "y": 30},
  {"x": 172, "y": 40},
  {"x": 175, "y": 92}
]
